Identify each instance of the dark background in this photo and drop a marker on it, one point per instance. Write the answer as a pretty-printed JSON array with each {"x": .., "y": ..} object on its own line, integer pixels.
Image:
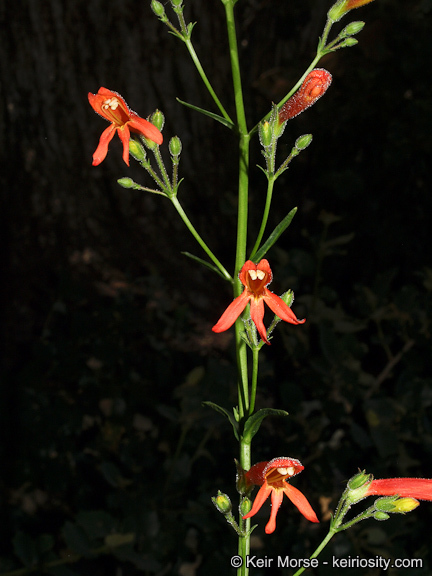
[{"x": 107, "y": 349}]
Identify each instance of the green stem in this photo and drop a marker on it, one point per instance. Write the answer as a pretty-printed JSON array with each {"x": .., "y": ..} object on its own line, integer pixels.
[
  {"x": 255, "y": 356},
  {"x": 204, "y": 78},
  {"x": 242, "y": 225},
  {"x": 318, "y": 550},
  {"x": 198, "y": 238},
  {"x": 321, "y": 51},
  {"x": 162, "y": 168},
  {"x": 270, "y": 186}
]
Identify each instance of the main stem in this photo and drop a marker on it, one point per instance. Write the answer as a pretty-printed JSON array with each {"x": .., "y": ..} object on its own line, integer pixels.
[{"x": 242, "y": 224}]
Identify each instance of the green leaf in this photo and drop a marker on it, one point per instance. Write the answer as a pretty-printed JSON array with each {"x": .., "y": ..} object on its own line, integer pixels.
[
  {"x": 95, "y": 523},
  {"x": 212, "y": 115},
  {"x": 280, "y": 228},
  {"x": 117, "y": 539},
  {"x": 25, "y": 548},
  {"x": 204, "y": 263},
  {"x": 225, "y": 412},
  {"x": 253, "y": 423},
  {"x": 76, "y": 539}
]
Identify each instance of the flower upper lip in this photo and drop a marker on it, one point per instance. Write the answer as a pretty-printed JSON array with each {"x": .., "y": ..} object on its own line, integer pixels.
[{"x": 111, "y": 106}]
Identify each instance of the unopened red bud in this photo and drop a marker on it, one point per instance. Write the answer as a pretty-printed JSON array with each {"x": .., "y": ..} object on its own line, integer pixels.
[{"x": 314, "y": 86}]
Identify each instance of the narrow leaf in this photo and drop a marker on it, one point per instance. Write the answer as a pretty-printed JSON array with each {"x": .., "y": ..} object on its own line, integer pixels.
[
  {"x": 253, "y": 423},
  {"x": 225, "y": 412},
  {"x": 280, "y": 229},
  {"x": 212, "y": 115},
  {"x": 204, "y": 263}
]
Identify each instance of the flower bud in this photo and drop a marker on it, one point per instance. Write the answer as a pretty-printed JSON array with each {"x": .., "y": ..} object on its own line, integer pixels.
[
  {"x": 396, "y": 505},
  {"x": 126, "y": 182},
  {"x": 137, "y": 150},
  {"x": 352, "y": 29},
  {"x": 347, "y": 43},
  {"x": 381, "y": 516},
  {"x": 158, "y": 119},
  {"x": 242, "y": 484},
  {"x": 176, "y": 3},
  {"x": 175, "y": 146},
  {"x": 303, "y": 141},
  {"x": 385, "y": 504},
  {"x": 359, "y": 480},
  {"x": 245, "y": 506},
  {"x": 342, "y": 7},
  {"x": 314, "y": 86},
  {"x": 222, "y": 503},
  {"x": 288, "y": 297},
  {"x": 358, "y": 487},
  {"x": 265, "y": 133},
  {"x": 158, "y": 9}
]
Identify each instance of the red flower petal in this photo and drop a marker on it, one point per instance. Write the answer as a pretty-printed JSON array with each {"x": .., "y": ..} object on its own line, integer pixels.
[
  {"x": 102, "y": 149},
  {"x": 301, "y": 502},
  {"x": 232, "y": 313},
  {"x": 257, "y": 316},
  {"x": 145, "y": 128},
  {"x": 278, "y": 306},
  {"x": 276, "y": 501},
  {"x": 124, "y": 135},
  {"x": 262, "y": 495},
  {"x": 420, "y": 488}
]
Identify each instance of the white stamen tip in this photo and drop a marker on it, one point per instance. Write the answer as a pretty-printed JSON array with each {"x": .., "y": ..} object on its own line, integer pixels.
[
  {"x": 260, "y": 274},
  {"x": 290, "y": 471},
  {"x": 111, "y": 103},
  {"x": 253, "y": 274}
]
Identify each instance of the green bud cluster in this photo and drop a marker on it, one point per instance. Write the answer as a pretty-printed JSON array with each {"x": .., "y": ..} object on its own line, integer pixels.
[
  {"x": 159, "y": 10},
  {"x": 158, "y": 119},
  {"x": 352, "y": 29},
  {"x": 303, "y": 141},
  {"x": 137, "y": 150},
  {"x": 175, "y": 146},
  {"x": 222, "y": 503},
  {"x": 126, "y": 182}
]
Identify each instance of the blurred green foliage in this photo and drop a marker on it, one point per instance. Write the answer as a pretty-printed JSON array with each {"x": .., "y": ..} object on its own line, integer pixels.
[{"x": 108, "y": 457}]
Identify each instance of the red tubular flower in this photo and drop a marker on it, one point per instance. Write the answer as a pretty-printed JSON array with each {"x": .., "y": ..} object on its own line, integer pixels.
[
  {"x": 111, "y": 106},
  {"x": 343, "y": 6},
  {"x": 272, "y": 477},
  {"x": 255, "y": 278},
  {"x": 350, "y": 4},
  {"x": 420, "y": 488},
  {"x": 314, "y": 86}
]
